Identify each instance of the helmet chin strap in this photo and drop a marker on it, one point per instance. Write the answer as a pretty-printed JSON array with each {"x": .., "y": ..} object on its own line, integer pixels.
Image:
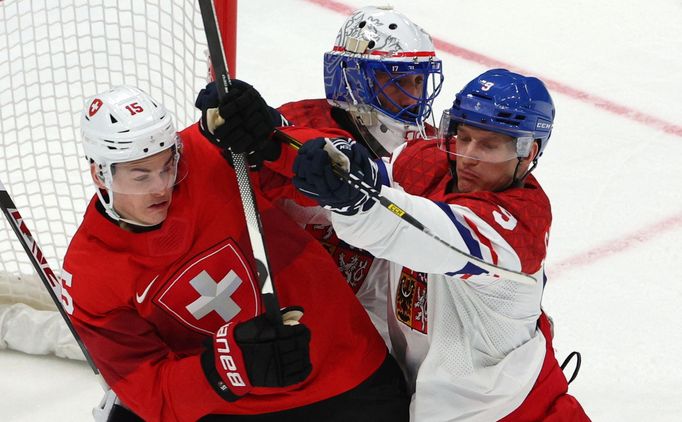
[
  {"x": 111, "y": 212},
  {"x": 517, "y": 182}
]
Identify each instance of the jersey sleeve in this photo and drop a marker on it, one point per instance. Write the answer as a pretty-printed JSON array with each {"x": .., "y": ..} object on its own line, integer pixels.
[
  {"x": 153, "y": 380},
  {"x": 498, "y": 228}
]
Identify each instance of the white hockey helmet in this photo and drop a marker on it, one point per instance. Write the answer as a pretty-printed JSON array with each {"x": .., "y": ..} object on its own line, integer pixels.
[
  {"x": 123, "y": 125},
  {"x": 377, "y": 41}
]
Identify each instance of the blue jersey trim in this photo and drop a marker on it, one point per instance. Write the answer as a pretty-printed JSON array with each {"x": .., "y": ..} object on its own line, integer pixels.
[
  {"x": 471, "y": 243},
  {"x": 383, "y": 172}
]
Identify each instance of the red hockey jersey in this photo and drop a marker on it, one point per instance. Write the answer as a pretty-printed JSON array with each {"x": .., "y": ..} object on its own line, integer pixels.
[{"x": 143, "y": 303}]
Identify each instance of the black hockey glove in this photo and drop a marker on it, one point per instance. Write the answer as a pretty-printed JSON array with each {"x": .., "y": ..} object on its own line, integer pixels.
[
  {"x": 314, "y": 177},
  {"x": 242, "y": 124},
  {"x": 256, "y": 353}
]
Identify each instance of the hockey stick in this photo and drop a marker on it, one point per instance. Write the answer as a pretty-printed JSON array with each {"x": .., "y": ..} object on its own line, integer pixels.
[
  {"x": 42, "y": 267},
  {"x": 117, "y": 412},
  {"x": 368, "y": 190},
  {"x": 253, "y": 222}
]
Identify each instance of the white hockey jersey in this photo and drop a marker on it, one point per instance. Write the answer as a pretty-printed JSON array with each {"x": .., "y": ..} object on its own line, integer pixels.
[{"x": 467, "y": 339}]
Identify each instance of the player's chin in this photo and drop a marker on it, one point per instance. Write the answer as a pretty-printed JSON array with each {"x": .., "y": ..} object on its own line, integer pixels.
[
  {"x": 466, "y": 186},
  {"x": 157, "y": 212}
]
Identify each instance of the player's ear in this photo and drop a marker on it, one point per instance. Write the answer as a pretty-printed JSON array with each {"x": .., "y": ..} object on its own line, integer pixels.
[
  {"x": 96, "y": 178},
  {"x": 534, "y": 150},
  {"x": 527, "y": 162}
]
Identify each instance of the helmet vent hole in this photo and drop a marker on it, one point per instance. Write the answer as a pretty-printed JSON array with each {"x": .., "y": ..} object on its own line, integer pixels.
[
  {"x": 371, "y": 44},
  {"x": 113, "y": 119},
  {"x": 479, "y": 95},
  {"x": 362, "y": 24},
  {"x": 392, "y": 26},
  {"x": 509, "y": 122},
  {"x": 162, "y": 144},
  {"x": 146, "y": 150}
]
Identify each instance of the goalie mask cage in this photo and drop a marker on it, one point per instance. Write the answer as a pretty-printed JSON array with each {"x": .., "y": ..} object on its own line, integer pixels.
[{"x": 53, "y": 55}]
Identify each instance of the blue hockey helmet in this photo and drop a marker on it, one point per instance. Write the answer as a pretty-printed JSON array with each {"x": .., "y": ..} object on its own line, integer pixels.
[{"x": 505, "y": 102}]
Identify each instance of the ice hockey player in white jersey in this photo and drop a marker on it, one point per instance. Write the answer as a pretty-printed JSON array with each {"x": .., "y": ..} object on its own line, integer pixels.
[{"x": 475, "y": 345}]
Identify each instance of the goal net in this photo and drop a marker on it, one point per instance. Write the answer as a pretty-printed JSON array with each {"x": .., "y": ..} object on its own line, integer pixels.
[{"x": 53, "y": 55}]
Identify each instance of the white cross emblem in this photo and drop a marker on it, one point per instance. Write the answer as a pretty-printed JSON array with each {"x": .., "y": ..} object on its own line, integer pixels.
[
  {"x": 215, "y": 296},
  {"x": 94, "y": 106}
]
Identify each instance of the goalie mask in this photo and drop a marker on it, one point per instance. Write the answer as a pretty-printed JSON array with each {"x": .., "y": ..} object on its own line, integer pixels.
[
  {"x": 503, "y": 102},
  {"x": 125, "y": 125},
  {"x": 383, "y": 69}
]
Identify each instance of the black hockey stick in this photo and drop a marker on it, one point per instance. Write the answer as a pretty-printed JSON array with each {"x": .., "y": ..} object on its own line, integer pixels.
[
  {"x": 253, "y": 222},
  {"x": 368, "y": 190},
  {"x": 42, "y": 267}
]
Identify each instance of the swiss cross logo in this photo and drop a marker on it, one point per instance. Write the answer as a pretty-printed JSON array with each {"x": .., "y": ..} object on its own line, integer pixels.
[
  {"x": 213, "y": 288},
  {"x": 94, "y": 106},
  {"x": 215, "y": 296}
]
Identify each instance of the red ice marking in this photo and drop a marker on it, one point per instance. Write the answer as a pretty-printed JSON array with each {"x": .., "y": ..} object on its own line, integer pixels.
[
  {"x": 555, "y": 86},
  {"x": 616, "y": 246},
  {"x": 336, "y": 6}
]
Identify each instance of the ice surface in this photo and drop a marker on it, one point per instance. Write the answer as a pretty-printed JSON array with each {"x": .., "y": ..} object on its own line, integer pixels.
[{"x": 612, "y": 174}]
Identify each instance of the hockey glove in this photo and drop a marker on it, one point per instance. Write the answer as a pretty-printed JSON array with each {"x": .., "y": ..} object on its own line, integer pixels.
[
  {"x": 314, "y": 176},
  {"x": 242, "y": 124},
  {"x": 256, "y": 353}
]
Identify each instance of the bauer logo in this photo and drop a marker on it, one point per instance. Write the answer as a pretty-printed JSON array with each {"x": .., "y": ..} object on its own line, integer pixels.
[{"x": 94, "y": 106}]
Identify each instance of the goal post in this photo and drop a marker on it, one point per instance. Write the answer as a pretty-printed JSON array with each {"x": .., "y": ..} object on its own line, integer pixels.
[
  {"x": 226, "y": 15},
  {"x": 54, "y": 54}
]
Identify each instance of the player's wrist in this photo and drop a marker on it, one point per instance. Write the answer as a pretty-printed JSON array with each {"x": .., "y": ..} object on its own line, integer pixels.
[{"x": 224, "y": 366}]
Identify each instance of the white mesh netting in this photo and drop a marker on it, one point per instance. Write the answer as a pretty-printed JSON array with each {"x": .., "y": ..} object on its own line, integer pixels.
[{"x": 53, "y": 55}]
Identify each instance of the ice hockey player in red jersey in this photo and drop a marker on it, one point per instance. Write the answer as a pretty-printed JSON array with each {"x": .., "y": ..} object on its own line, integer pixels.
[
  {"x": 476, "y": 345},
  {"x": 160, "y": 283},
  {"x": 381, "y": 78}
]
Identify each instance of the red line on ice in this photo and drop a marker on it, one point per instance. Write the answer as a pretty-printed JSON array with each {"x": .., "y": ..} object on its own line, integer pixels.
[
  {"x": 614, "y": 247},
  {"x": 586, "y": 97}
]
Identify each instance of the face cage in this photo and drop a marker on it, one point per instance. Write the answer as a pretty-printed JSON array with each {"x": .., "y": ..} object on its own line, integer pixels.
[
  {"x": 447, "y": 132},
  {"x": 414, "y": 114}
]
